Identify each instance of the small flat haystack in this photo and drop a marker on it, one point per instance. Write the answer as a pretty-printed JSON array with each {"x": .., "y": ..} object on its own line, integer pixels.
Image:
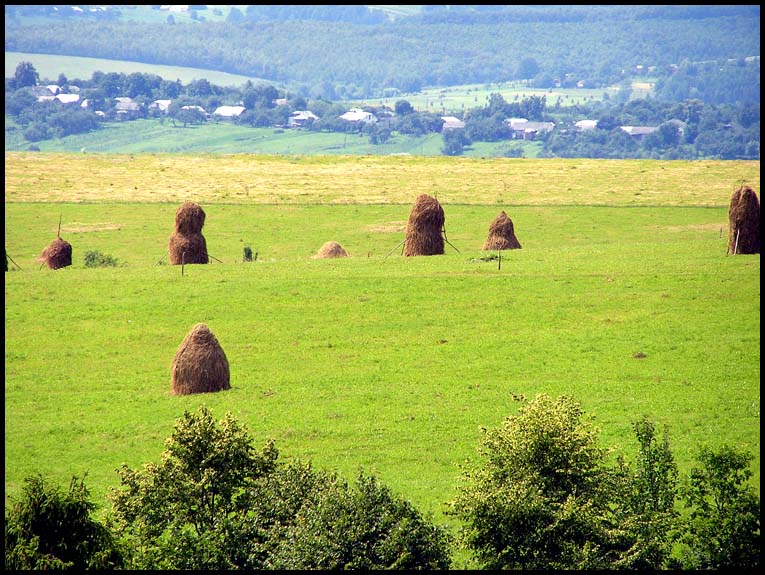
[
  {"x": 199, "y": 365},
  {"x": 57, "y": 255},
  {"x": 424, "y": 230},
  {"x": 501, "y": 234},
  {"x": 331, "y": 250},
  {"x": 744, "y": 222},
  {"x": 189, "y": 219},
  {"x": 193, "y": 246}
]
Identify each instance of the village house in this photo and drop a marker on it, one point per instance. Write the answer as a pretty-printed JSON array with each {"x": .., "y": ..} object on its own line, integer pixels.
[
  {"x": 229, "y": 111},
  {"x": 451, "y": 123},
  {"x": 638, "y": 132},
  {"x": 357, "y": 115},
  {"x": 584, "y": 125},
  {"x": 161, "y": 105},
  {"x": 300, "y": 118},
  {"x": 524, "y": 129}
]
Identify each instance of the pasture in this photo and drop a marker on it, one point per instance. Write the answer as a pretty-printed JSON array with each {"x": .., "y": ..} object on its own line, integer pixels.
[{"x": 622, "y": 296}]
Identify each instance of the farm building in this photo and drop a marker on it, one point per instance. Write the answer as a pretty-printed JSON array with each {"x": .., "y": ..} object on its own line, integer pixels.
[
  {"x": 357, "y": 115},
  {"x": 299, "y": 118},
  {"x": 229, "y": 111}
]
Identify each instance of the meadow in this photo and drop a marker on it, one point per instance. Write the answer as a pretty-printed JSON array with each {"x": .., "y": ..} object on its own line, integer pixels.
[{"x": 622, "y": 297}]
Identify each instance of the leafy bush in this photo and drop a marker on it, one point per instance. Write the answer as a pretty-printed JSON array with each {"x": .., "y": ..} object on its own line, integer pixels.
[
  {"x": 213, "y": 502},
  {"x": 724, "y": 527},
  {"x": 95, "y": 259},
  {"x": 48, "y": 529}
]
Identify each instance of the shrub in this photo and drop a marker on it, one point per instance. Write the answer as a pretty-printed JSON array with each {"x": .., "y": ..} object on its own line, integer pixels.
[
  {"x": 724, "y": 526},
  {"x": 95, "y": 259},
  {"x": 48, "y": 529},
  {"x": 214, "y": 502}
]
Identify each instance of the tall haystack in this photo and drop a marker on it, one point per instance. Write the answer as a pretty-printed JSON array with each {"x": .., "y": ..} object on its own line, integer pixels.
[
  {"x": 188, "y": 249},
  {"x": 187, "y": 244},
  {"x": 189, "y": 218},
  {"x": 744, "y": 222},
  {"x": 331, "y": 250},
  {"x": 199, "y": 365},
  {"x": 57, "y": 255},
  {"x": 501, "y": 234},
  {"x": 424, "y": 230}
]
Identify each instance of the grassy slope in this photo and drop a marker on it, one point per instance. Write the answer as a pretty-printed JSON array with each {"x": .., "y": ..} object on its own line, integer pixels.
[{"x": 391, "y": 364}]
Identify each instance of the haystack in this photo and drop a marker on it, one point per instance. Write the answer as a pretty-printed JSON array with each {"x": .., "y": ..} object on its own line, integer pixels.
[
  {"x": 501, "y": 234},
  {"x": 57, "y": 255},
  {"x": 331, "y": 250},
  {"x": 744, "y": 222},
  {"x": 199, "y": 365},
  {"x": 189, "y": 219},
  {"x": 424, "y": 228},
  {"x": 193, "y": 246},
  {"x": 187, "y": 244}
]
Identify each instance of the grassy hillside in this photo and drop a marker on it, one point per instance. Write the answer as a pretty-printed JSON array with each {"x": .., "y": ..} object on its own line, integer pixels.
[
  {"x": 50, "y": 66},
  {"x": 626, "y": 302}
]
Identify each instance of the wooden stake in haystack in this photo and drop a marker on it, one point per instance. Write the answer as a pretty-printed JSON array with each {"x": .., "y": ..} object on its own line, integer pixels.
[
  {"x": 58, "y": 254},
  {"x": 744, "y": 222},
  {"x": 187, "y": 244},
  {"x": 331, "y": 250},
  {"x": 501, "y": 235},
  {"x": 424, "y": 230},
  {"x": 200, "y": 364}
]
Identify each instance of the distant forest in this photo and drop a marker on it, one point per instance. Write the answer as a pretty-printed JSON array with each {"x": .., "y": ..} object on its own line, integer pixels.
[{"x": 350, "y": 51}]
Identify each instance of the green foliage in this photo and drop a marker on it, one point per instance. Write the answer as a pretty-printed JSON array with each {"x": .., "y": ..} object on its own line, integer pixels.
[
  {"x": 542, "y": 499},
  {"x": 646, "y": 505},
  {"x": 724, "y": 526},
  {"x": 215, "y": 503},
  {"x": 50, "y": 529},
  {"x": 360, "y": 527},
  {"x": 25, "y": 75},
  {"x": 95, "y": 259}
]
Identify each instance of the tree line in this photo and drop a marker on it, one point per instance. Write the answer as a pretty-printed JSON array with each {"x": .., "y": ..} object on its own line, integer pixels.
[
  {"x": 544, "y": 494},
  {"x": 340, "y": 52},
  {"x": 726, "y": 131}
]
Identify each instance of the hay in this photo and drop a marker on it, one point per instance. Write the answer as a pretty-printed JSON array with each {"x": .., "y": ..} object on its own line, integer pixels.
[
  {"x": 424, "y": 228},
  {"x": 57, "y": 255},
  {"x": 188, "y": 238},
  {"x": 744, "y": 222},
  {"x": 194, "y": 246},
  {"x": 200, "y": 364},
  {"x": 501, "y": 235},
  {"x": 189, "y": 219},
  {"x": 331, "y": 250}
]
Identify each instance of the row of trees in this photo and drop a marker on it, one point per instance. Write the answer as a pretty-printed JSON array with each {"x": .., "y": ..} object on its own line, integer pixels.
[
  {"x": 729, "y": 131},
  {"x": 342, "y": 59},
  {"x": 544, "y": 495}
]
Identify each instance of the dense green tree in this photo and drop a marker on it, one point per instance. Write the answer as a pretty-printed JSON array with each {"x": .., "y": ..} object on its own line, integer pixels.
[
  {"x": 724, "y": 527},
  {"x": 542, "y": 498},
  {"x": 214, "y": 502},
  {"x": 50, "y": 529},
  {"x": 25, "y": 75},
  {"x": 454, "y": 142}
]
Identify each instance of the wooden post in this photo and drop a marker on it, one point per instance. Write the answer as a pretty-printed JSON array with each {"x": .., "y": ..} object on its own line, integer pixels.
[
  {"x": 735, "y": 246},
  {"x": 499, "y": 263},
  {"x": 183, "y": 262}
]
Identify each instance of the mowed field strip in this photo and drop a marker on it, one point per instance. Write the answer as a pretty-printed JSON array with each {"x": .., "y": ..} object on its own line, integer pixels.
[
  {"x": 36, "y": 177},
  {"x": 622, "y": 297}
]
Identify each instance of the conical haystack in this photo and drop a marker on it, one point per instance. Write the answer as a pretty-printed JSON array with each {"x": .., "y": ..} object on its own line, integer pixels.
[
  {"x": 57, "y": 255},
  {"x": 331, "y": 250},
  {"x": 199, "y": 365},
  {"x": 189, "y": 218},
  {"x": 744, "y": 222},
  {"x": 424, "y": 228},
  {"x": 193, "y": 246},
  {"x": 501, "y": 234},
  {"x": 187, "y": 244}
]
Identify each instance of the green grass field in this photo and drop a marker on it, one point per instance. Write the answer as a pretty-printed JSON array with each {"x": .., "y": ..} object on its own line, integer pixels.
[{"x": 627, "y": 303}]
